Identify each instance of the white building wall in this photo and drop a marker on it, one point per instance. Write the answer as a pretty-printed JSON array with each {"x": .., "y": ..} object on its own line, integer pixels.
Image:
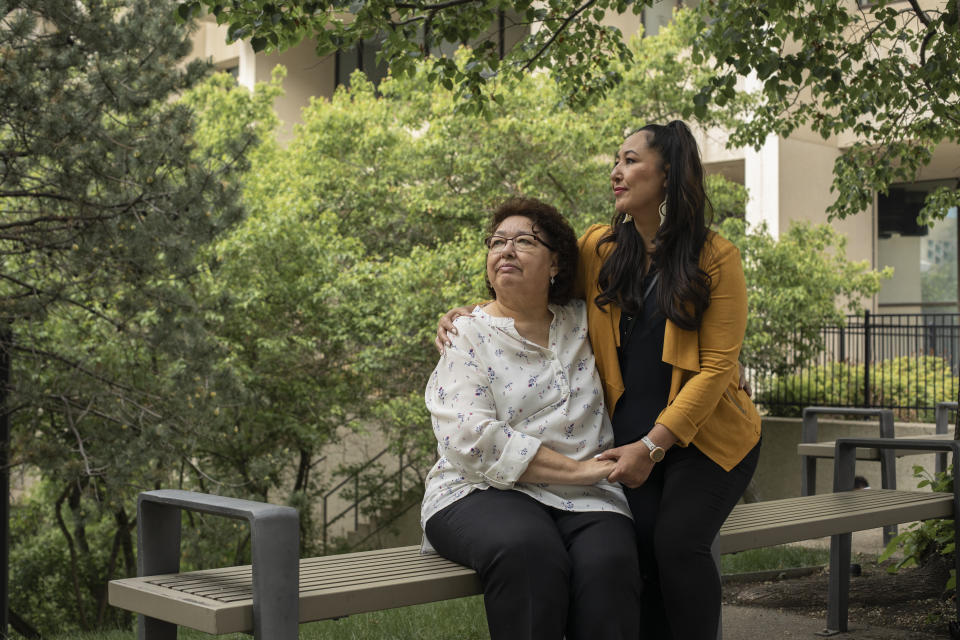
[{"x": 761, "y": 177}]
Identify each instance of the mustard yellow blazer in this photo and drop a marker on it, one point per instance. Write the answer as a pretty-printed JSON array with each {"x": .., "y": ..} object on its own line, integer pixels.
[{"x": 705, "y": 407}]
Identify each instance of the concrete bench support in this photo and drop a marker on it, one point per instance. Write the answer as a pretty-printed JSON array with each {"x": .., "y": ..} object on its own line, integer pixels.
[{"x": 274, "y": 545}]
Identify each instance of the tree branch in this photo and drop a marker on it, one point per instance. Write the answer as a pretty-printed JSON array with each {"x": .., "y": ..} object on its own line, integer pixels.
[
  {"x": 73, "y": 364},
  {"x": 920, "y": 14},
  {"x": 91, "y": 472},
  {"x": 419, "y": 6},
  {"x": 586, "y": 5},
  {"x": 54, "y": 297}
]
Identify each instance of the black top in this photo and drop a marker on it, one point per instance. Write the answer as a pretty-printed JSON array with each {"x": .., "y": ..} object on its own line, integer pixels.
[{"x": 646, "y": 377}]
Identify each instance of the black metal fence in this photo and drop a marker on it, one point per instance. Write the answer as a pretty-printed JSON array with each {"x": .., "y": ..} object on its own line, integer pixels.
[{"x": 907, "y": 362}]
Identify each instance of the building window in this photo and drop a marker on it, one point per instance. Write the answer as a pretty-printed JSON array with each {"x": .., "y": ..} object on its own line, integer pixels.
[
  {"x": 363, "y": 57},
  {"x": 506, "y": 30},
  {"x": 924, "y": 258}
]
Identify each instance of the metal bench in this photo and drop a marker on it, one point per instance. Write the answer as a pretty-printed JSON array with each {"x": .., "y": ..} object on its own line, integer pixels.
[
  {"x": 827, "y": 449},
  {"x": 228, "y": 600},
  {"x": 808, "y": 436}
]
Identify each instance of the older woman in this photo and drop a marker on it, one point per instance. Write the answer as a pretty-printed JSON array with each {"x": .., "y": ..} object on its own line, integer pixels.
[
  {"x": 518, "y": 493},
  {"x": 667, "y": 309}
]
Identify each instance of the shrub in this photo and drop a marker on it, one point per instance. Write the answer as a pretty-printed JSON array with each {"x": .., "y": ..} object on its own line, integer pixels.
[
  {"x": 907, "y": 383},
  {"x": 922, "y": 541}
]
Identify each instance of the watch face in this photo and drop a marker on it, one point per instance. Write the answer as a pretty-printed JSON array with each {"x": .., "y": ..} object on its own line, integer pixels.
[{"x": 657, "y": 454}]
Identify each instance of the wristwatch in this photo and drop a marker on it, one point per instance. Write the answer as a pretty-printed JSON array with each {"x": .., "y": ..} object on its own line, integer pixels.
[{"x": 656, "y": 452}]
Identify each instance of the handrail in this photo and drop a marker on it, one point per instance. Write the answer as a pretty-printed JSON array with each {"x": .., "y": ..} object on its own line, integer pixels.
[
  {"x": 348, "y": 478},
  {"x": 357, "y": 498}
]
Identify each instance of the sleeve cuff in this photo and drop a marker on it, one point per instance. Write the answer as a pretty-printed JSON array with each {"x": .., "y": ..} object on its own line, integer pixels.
[
  {"x": 511, "y": 464},
  {"x": 679, "y": 425}
]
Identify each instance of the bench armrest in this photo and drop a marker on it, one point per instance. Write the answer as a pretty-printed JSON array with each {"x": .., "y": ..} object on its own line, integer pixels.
[
  {"x": 845, "y": 458},
  {"x": 809, "y": 429},
  {"x": 274, "y": 550}
]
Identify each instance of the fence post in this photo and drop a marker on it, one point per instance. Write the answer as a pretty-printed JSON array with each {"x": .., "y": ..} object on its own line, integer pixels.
[
  {"x": 843, "y": 340},
  {"x": 867, "y": 357}
]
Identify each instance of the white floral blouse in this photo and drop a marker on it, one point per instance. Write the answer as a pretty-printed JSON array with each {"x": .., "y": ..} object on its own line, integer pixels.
[{"x": 495, "y": 397}]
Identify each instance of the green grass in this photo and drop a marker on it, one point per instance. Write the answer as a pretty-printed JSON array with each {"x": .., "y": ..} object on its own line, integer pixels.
[
  {"x": 463, "y": 619},
  {"x": 770, "y": 558},
  {"x": 449, "y": 620}
]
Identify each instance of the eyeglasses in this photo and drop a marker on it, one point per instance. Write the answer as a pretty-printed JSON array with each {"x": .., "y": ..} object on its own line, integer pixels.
[{"x": 522, "y": 242}]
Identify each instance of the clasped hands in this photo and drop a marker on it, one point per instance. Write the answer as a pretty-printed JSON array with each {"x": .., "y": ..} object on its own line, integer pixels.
[{"x": 629, "y": 464}]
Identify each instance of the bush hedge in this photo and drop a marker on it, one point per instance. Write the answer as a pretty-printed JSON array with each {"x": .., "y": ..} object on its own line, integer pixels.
[{"x": 912, "y": 385}]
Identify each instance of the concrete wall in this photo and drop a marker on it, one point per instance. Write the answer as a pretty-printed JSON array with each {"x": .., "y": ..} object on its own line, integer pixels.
[
  {"x": 778, "y": 473},
  {"x": 307, "y": 76}
]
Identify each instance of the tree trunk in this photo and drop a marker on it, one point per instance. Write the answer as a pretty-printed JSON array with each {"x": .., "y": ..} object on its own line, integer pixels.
[{"x": 74, "y": 564}]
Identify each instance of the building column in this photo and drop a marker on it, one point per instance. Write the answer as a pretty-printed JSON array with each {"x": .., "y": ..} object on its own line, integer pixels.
[
  {"x": 761, "y": 177},
  {"x": 246, "y": 66}
]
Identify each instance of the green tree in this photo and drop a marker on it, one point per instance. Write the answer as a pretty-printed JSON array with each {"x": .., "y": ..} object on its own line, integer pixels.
[
  {"x": 886, "y": 72},
  {"x": 796, "y": 285},
  {"x": 106, "y": 196},
  {"x": 568, "y": 37}
]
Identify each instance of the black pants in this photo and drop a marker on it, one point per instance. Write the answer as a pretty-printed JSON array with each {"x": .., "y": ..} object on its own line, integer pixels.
[
  {"x": 546, "y": 574},
  {"x": 678, "y": 513}
]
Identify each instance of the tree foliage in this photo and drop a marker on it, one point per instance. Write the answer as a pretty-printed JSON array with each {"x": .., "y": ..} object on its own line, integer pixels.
[
  {"x": 884, "y": 72},
  {"x": 106, "y": 197},
  {"x": 567, "y": 37},
  {"x": 795, "y": 286}
]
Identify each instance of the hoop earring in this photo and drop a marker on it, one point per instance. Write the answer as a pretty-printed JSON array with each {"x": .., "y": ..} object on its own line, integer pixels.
[
  {"x": 552, "y": 280},
  {"x": 663, "y": 211},
  {"x": 627, "y": 218}
]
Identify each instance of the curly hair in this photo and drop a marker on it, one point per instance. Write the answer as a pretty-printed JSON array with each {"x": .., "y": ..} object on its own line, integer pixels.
[{"x": 555, "y": 230}]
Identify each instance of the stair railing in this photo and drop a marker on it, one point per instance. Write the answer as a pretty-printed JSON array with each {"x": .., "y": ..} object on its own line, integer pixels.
[{"x": 358, "y": 499}]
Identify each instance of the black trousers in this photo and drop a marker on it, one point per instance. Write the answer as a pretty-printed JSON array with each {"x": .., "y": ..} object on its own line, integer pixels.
[
  {"x": 546, "y": 573},
  {"x": 678, "y": 513}
]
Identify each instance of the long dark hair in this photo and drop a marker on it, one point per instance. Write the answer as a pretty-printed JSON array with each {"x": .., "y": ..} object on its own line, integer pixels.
[{"x": 684, "y": 288}]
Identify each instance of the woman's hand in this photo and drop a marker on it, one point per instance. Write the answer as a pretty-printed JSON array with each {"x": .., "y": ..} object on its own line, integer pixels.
[
  {"x": 445, "y": 326},
  {"x": 596, "y": 470},
  {"x": 633, "y": 464},
  {"x": 744, "y": 383}
]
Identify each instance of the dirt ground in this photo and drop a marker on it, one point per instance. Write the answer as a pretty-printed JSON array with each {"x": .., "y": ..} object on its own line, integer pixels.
[{"x": 909, "y": 600}]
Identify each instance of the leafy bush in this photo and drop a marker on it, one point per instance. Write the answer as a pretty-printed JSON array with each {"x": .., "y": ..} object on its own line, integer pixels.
[
  {"x": 795, "y": 285},
  {"x": 60, "y": 581},
  {"x": 907, "y": 381},
  {"x": 924, "y": 540}
]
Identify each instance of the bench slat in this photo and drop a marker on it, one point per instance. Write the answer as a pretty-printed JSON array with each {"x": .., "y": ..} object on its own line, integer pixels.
[
  {"x": 330, "y": 587},
  {"x": 764, "y": 524},
  {"x": 220, "y": 600}
]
